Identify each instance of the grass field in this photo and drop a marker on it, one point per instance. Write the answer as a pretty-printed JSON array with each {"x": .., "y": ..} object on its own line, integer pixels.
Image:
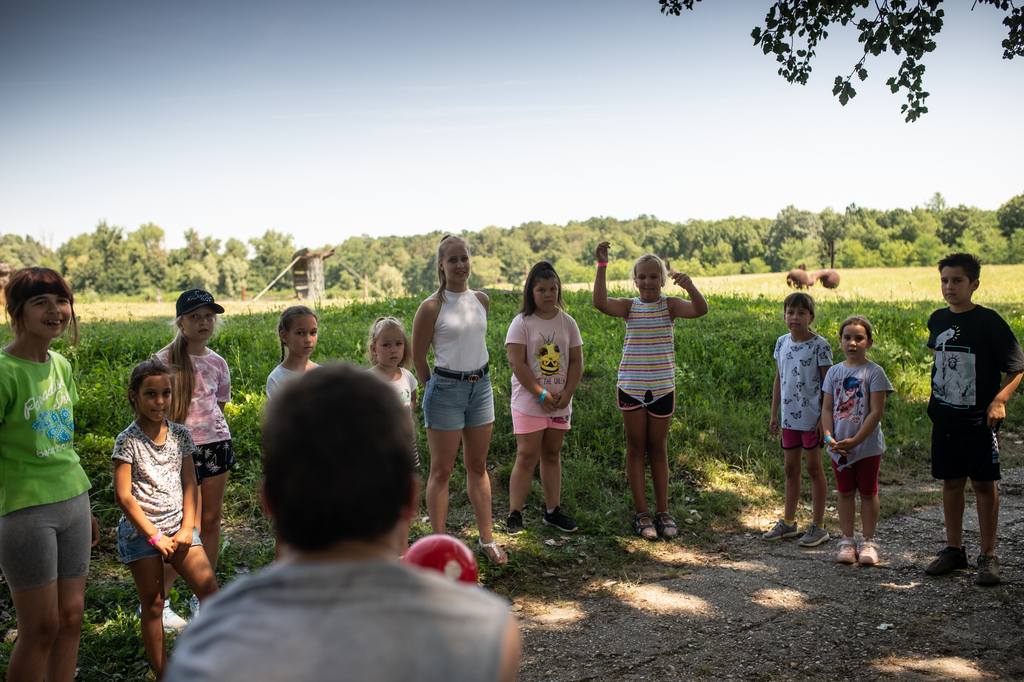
[{"x": 725, "y": 465}]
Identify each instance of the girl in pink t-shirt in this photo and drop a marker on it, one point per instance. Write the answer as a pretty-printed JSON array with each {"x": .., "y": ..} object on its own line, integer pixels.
[{"x": 544, "y": 378}]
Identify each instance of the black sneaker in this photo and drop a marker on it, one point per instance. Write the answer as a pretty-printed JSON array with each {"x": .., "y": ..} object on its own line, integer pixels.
[
  {"x": 514, "y": 522},
  {"x": 949, "y": 560},
  {"x": 559, "y": 520},
  {"x": 988, "y": 571}
]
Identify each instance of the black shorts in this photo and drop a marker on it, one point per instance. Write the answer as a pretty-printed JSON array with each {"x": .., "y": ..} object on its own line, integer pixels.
[
  {"x": 965, "y": 451},
  {"x": 213, "y": 459},
  {"x": 662, "y": 407}
]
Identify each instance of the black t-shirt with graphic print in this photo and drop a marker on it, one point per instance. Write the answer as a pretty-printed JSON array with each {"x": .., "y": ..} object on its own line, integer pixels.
[{"x": 973, "y": 350}]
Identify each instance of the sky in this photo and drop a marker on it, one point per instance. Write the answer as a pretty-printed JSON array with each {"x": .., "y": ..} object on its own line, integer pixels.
[{"x": 326, "y": 120}]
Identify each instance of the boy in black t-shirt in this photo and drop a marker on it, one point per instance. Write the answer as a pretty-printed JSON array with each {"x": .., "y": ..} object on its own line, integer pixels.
[{"x": 978, "y": 364}]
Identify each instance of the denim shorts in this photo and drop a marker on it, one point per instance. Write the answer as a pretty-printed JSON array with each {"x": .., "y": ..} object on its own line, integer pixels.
[
  {"x": 456, "y": 404},
  {"x": 133, "y": 545}
]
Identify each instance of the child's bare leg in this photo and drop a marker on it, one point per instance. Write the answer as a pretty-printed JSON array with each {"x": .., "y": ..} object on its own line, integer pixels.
[
  {"x": 657, "y": 455},
  {"x": 953, "y": 510},
  {"x": 793, "y": 461},
  {"x": 211, "y": 506},
  {"x": 148, "y": 575},
  {"x": 847, "y": 507},
  {"x": 551, "y": 466},
  {"x": 819, "y": 485},
  {"x": 869, "y": 510},
  {"x": 195, "y": 568},
  {"x": 528, "y": 449},
  {"x": 987, "y": 498},
  {"x": 444, "y": 448},
  {"x": 636, "y": 451}
]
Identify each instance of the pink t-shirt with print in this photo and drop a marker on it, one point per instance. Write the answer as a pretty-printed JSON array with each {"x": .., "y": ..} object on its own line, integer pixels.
[
  {"x": 547, "y": 353},
  {"x": 205, "y": 420}
]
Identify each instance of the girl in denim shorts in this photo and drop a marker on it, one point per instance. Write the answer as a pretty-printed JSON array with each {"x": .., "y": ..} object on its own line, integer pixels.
[
  {"x": 458, "y": 406},
  {"x": 155, "y": 487}
]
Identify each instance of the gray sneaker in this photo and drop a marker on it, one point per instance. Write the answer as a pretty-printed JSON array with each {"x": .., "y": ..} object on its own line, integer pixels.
[
  {"x": 814, "y": 536},
  {"x": 988, "y": 570},
  {"x": 782, "y": 530}
]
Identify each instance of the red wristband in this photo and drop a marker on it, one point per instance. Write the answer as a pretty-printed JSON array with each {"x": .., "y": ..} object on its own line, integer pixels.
[
  {"x": 602, "y": 265},
  {"x": 155, "y": 539}
]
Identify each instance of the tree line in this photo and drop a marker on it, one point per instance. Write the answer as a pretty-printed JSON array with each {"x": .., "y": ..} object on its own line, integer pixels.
[{"x": 114, "y": 262}]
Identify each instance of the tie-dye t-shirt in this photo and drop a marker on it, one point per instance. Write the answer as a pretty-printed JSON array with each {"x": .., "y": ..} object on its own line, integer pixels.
[
  {"x": 205, "y": 420},
  {"x": 38, "y": 463}
]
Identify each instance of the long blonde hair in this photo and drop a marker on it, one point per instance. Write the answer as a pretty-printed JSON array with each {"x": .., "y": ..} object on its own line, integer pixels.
[
  {"x": 376, "y": 329},
  {"x": 183, "y": 373},
  {"x": 442, "y": 279}
]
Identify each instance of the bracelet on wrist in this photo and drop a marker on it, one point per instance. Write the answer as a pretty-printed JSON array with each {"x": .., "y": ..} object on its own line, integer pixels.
[
  {"x": 156, "y": 538},
  {"x": 602, "y": 265},
  {"x": 543, "y": 395}
]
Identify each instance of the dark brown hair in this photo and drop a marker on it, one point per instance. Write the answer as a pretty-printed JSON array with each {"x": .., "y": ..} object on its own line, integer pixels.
[
  {"x": 144, "y": 370},
  {"x": 288, "y": 317},
  {"x": 969, "y": 262},
  {"x": 858, "y": 320},
  {"x": 29, "y": 282},
  {"x": 322, "y": 497},
  {"x": 799, "y": 300},
  {"x": 542, "y": 270}
]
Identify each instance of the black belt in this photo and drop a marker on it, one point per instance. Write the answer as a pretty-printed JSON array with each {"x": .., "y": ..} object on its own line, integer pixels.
[{"x": 471, "y": 377}]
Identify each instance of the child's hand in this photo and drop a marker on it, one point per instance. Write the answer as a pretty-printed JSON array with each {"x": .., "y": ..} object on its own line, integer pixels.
[
  {"x": 819, "y": 430},
  {"x": 602, "y": 252},
  {"x": 843, "y": 447},
  {"x": 165, "y": 545},
  {"x": 773, "y": 425},
  {"x": 183, "y": 542},
  {"x": 550, "y": 402},
  {"x": 682, "y": 280}
]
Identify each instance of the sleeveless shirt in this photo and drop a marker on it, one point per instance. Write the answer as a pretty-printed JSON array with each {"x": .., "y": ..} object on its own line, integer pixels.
[
  {"x": 460, "y": 333},
  {"x": 648, "y": 368}
]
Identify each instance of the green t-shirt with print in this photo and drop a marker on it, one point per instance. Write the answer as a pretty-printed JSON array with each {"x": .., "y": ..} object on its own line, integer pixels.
[{"x": 38, "y": 463}]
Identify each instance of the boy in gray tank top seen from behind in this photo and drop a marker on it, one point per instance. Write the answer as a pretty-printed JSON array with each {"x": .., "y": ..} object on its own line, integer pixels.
[{"x": 341, "y": 489}]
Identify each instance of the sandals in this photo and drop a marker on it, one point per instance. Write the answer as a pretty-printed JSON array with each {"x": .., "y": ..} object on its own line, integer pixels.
[
  {"x": 666, "y": 525},
  {"x": 643, "y": 526},
  {"x": 498, "y": 558}
]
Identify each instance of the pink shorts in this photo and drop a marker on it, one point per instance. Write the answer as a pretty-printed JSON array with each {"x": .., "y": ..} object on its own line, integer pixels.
[
  {"x": 525, "y": 423},
  {"x": 862, "y": 475},
  {"x": 795, "y": 439}
]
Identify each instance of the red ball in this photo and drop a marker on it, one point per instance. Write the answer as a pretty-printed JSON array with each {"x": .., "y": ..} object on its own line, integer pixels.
[{"x": 445, "y": 554}]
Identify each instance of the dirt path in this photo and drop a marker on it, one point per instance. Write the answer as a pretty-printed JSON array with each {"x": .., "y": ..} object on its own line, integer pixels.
[{"x": 773, "y": 611}]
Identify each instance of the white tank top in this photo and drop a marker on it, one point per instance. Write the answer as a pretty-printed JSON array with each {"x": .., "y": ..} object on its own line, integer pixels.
[{"x": 460, "y": 333}]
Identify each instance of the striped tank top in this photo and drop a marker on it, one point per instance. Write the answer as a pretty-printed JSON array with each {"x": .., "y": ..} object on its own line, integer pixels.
[{"x": 648, "y": 368}]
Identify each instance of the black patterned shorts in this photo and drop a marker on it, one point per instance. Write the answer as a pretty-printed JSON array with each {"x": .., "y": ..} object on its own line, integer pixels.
[{"x": 213, "y": 459}]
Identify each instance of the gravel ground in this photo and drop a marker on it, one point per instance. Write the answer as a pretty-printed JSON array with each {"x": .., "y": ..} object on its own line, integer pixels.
[{"x": 774, "y": 611}]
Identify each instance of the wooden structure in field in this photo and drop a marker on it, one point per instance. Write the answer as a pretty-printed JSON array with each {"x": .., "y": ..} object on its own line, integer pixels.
[{"x": 308, "y": 274}]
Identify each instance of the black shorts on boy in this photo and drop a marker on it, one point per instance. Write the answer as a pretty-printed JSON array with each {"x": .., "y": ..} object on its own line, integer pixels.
[{"x": 961, "y": 450}]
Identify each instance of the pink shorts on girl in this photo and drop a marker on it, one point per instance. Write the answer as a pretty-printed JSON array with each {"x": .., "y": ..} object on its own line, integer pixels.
[
  {"x": 524, "y": 423},
  {"x": 862, "y": 475}
]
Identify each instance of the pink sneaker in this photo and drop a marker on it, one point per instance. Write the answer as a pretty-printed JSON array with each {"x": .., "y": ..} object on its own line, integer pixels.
[
  {"x": 847, "y": 551},
  {"x": 867, "y": 552}
]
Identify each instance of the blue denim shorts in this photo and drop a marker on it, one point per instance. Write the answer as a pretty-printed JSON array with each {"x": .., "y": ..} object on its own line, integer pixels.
[
  {"x": 456, "y": 404},
  {"x": 133, "y": 545}
]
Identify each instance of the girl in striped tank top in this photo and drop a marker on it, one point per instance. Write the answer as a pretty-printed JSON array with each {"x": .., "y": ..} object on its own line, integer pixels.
[{"x": 646, "y": 384}]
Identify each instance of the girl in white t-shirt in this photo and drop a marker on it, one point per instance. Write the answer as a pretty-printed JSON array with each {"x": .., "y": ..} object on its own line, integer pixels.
[
  {"x": 390, "y": 355},
  {"x": 297, "y": 330},
  {"x": 155, "y": 487},
  {"x": 545, "y": 352}
]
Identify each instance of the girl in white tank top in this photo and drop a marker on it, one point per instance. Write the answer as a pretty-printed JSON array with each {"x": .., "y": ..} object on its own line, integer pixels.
[{"x": 458, "y": 405}]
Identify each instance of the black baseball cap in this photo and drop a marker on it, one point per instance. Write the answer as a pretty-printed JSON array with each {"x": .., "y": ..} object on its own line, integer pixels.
[{"x": 195, "y": 298}]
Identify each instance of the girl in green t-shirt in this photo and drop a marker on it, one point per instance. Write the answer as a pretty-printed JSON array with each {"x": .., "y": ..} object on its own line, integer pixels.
[{"x": 46, "y": 524}]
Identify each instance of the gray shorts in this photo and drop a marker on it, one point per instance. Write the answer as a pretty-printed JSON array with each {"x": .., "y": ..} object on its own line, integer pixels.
[{"x": 42, "y": 543}]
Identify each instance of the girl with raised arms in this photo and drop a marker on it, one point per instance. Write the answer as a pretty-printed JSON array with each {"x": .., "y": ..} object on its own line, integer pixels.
[
  {"x": 458, "y": 405},
  {"x": 46, "y": 525},
  {"x": 646, "y": 382},
  {"x": 545, "y": 352}
]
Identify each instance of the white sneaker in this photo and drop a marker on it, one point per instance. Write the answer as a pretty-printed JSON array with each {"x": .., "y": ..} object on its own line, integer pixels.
[
  {"x": 193, "y": 606},
  {"x": 172, "y": 621}
]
